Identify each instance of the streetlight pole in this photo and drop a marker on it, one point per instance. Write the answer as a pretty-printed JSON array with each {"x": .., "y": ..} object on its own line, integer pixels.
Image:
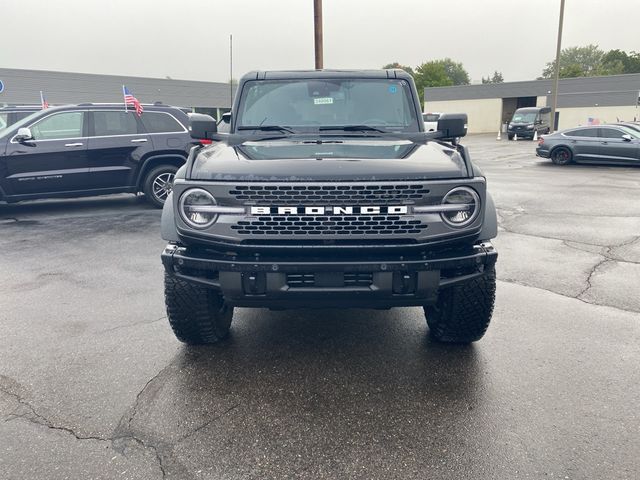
[
  {"x": 556, "y": 75},
  {"x": 317, "y": 28},
  {"x": 230, "y": 70}
]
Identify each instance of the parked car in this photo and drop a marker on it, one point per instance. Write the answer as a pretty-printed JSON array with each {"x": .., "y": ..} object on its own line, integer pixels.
[
  {"x": 593, "y": 144},
  {"x": 11, "y": 115},
  {"x": 431, "y": 121},
  {"x": 93, "y": 149},
  {"x": 526, "y": 122}
]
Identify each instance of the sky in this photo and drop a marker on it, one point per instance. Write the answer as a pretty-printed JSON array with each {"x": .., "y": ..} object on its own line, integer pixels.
[{"x": 189, "y": 39}]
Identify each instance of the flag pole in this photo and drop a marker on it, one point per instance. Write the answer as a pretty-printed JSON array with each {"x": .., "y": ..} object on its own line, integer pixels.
[
  {"x": 41, "y": 99},
  {"x": 124, "y": 97}
]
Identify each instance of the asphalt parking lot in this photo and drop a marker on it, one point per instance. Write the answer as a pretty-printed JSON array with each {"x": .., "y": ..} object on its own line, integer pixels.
[{"x": 93, "y": 385}]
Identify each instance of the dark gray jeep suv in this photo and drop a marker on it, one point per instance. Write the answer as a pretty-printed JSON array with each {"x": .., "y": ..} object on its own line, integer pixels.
[{"x": 327, "y": 192}]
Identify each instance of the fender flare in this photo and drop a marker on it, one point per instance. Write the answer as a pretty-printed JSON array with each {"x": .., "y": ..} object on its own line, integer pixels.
[
  {"x": 146, "y": 161},
  {"x": 490, "y": 224},
  {"x": 168, "y": 221}
]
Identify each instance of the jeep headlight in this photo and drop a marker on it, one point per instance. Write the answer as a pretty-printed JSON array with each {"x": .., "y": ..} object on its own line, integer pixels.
[
  {"x": 460, "y": 207},
  {"x": 195, "y": 206},
  {"x": 529, "y": 127}
]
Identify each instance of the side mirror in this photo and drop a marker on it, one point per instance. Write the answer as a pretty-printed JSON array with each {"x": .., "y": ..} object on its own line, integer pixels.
[
  {"x": 226, "y": 117},
  {"x": 452, "y": 125},
  {"x": 23, "y": 135},
  {"x": 626, "y": 137},
  {"x": 202, "y": 127}
]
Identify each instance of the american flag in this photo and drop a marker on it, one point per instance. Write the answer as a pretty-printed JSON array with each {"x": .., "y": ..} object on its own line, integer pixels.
[
  {"x": 43, "y": 101},
  {"x": 129, "y": 99}
]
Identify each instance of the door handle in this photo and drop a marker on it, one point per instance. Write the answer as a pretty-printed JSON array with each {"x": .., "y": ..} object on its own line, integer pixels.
[
  {"x": 139, "y": 140},
  {"x": 605, "y": 143},
  {"x": 73, "y": 144}
]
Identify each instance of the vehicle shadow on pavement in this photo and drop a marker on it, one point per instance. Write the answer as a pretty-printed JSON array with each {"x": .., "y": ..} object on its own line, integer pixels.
[
  {"x": 288, "y": 385},
  {"x": 113, "y": 204}
]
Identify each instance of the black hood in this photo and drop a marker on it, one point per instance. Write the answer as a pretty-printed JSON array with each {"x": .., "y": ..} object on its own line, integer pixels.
[{"x": 362, "y": 159}]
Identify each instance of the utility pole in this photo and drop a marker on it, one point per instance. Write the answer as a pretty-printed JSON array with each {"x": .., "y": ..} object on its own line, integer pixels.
[
  {"x": 230, "y": 70},
  {"x": 317, "y": 28},
  {"x": 556, "y": 76}
]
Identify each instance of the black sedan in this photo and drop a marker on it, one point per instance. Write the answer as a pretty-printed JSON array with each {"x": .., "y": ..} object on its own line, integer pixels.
[{"x": 614, "y": 144}]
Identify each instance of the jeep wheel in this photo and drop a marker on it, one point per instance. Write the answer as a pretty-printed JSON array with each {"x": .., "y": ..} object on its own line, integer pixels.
[
  {"x": 463, "y": 312},
  {"x": 561, "y": 156},
  {"x": 510, "y": 136},
  {"x": 158, "y": 183},
  {"x": 197, "y": 315}
]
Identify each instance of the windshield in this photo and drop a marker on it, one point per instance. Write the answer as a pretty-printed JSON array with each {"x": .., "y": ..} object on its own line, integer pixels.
[
  {"x": 311, "y": 105},
  {"x": 524, "y": 117}
]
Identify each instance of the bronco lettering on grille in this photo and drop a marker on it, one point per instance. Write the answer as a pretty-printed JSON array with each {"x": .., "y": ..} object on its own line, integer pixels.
[{"x": 364, "y": 210}]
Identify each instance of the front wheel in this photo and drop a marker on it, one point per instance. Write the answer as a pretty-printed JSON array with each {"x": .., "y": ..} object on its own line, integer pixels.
[
  {"x": 463, "y": 312},
  {"x": 561, "y": 156},
  {"x": 197, "y": 315},
  {"x": 158, "y": 184}
]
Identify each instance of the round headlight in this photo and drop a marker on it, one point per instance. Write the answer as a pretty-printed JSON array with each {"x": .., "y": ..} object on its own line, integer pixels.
[
  {"x": 193, "y": 208},
  {"x": 463, "y": 206}
]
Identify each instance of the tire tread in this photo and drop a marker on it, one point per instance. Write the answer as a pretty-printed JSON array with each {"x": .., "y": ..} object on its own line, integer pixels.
[{"x": 463, "y": 312}]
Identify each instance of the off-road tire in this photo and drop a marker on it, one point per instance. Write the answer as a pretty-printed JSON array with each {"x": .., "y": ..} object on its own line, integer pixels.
[
  {"x": 510, "y": 136},
  {"x": 197, "y": 315},
  {"x": 463, "y": 312},
  {"x": 561, "y": 156},
  {"x": 150, "y": 190}
]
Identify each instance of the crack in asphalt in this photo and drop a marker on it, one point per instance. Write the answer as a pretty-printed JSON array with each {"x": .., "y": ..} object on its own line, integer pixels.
[
  {"x": 206, "y": 424},
  {"x": 591, "y": 273},
  {"x": 36, "y": 418},
  {"x": 130, "y": 325},
  {"x": 523, "y": 284}
]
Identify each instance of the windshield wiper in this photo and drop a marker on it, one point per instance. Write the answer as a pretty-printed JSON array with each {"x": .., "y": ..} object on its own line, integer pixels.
[
  {"x": 267, "y": 128},
  {"x": 353, "y": 128}
]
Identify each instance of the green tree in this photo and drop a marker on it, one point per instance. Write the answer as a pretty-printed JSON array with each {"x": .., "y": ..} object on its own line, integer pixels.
[
  {"x": 495, "y": 78},
  {"x": 439, "y": 73},
  {"x": 621, "y": 60},
  {"x": 585, "y": 61},
  {"x": 406, "y": 68}
]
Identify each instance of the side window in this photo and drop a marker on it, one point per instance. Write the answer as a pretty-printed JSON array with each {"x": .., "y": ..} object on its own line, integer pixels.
[
  {"x": 59, "y": 125},
  {"x": 157, "y": 122},
  {"x": 611, "y": 133},
  {"x": 583, "y": 132},
  {"x": 4, "y": 120},
  {"x": 114, "y": 123},
  {"x": 21, "y": 115}
]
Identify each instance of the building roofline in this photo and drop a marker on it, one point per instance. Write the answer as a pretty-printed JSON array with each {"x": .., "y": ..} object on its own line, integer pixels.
[{"x": 110, "y": 75}]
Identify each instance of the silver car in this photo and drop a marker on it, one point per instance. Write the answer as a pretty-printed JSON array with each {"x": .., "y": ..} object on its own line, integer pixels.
[{"x": 614, "y": 144}]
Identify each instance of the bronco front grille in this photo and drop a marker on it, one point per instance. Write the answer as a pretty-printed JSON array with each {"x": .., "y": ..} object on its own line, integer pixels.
[
  {"x": 329, "y": 225},
  {"x": 330, "y": 194}
]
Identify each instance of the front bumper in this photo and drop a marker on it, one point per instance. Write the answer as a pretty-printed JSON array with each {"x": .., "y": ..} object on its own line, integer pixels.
[
  {"x": 370, "y": 282},
  {"x": 522, "y": 133}
]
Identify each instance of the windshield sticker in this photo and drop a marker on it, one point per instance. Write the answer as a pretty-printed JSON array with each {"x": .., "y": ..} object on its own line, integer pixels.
[
  {"x": 393, "y": 89},
  {"x": 323, "y": 101}
]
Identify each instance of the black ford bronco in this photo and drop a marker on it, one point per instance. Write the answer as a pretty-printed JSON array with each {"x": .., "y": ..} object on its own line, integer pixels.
[{"x": 327, "y": 192}]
